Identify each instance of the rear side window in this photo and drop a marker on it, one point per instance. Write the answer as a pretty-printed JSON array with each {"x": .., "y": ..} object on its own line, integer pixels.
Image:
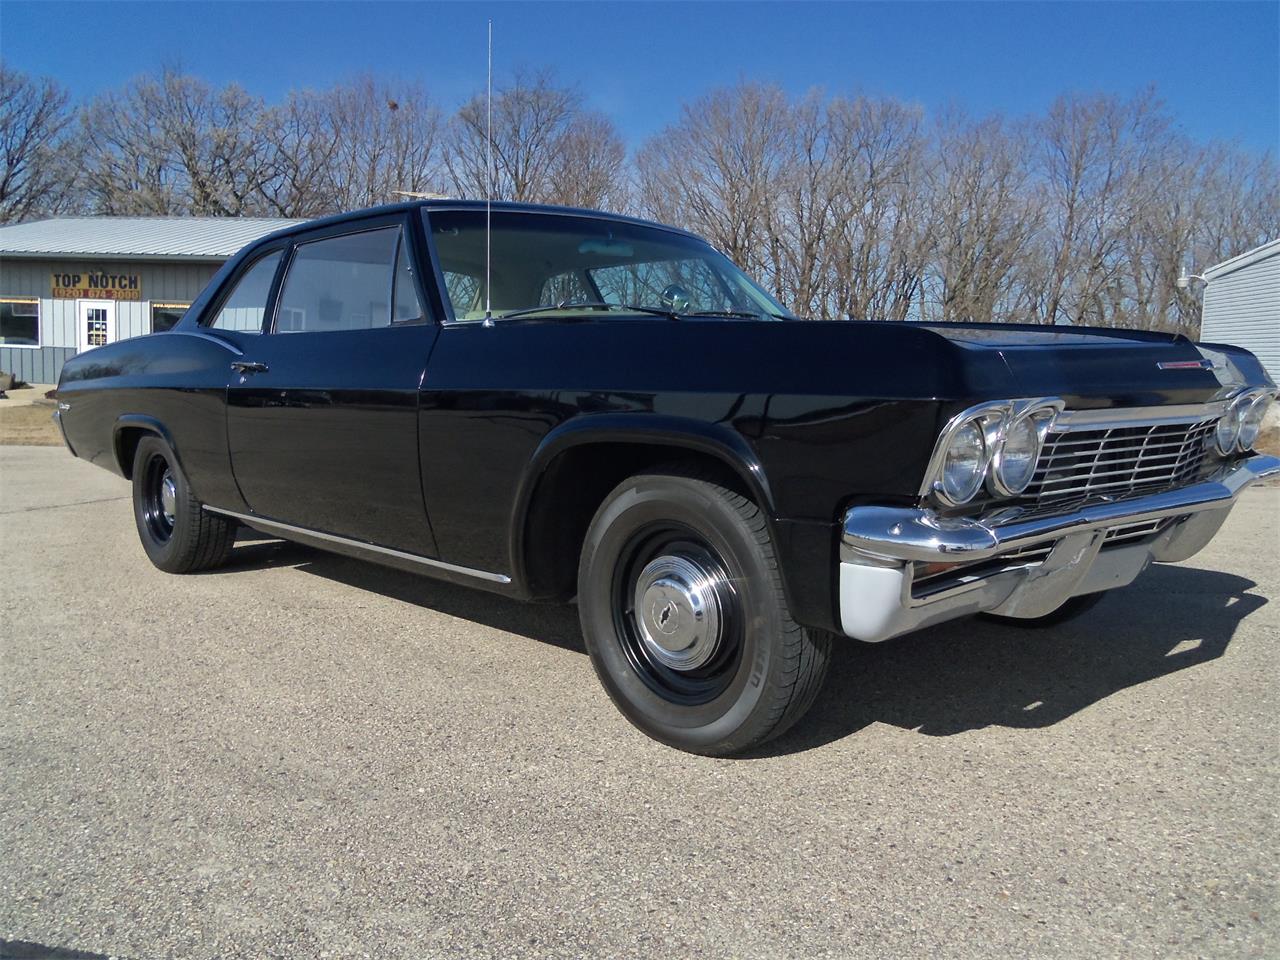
[
  {"x": 340, "y": 283},
  {"x": 406, "y": 306},
  {"x": 247, "y": 305}
]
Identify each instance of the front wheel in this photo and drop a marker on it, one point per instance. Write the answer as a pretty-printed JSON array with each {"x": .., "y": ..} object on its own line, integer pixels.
[
  {"x": 178, "y": 535},
  {"x": 685, "y": 619}
]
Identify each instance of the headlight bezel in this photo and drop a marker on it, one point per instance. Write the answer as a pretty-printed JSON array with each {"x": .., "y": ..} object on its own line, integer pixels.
[
  {"x": 994, "y": 420},
  {"x": 1039, "y": 419},
  {"x": 1252, "y": 416},
  {"x": 1239, "y": 410},
  {"x": 971, "y": 428}
]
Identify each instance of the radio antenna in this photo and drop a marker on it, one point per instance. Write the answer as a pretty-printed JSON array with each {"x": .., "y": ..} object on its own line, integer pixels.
[{"x": 488, "y": 197}]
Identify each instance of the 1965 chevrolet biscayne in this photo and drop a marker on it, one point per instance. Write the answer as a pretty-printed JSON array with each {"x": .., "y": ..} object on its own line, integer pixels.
[{"x": 612, "y": 410}]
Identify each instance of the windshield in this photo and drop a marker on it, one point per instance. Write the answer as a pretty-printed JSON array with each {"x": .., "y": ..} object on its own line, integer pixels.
[{"x": 586, "y": 264}]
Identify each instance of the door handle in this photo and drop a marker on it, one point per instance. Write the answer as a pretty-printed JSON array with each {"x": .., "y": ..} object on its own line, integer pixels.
[{"x": 248, "y": 366}]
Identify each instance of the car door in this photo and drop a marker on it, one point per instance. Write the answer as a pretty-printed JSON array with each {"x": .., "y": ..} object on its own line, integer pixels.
[{"x": 322, "y": 411}]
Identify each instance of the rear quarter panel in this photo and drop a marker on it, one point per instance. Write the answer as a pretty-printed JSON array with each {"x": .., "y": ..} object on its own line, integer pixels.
[{"x": 175, "y": 380}]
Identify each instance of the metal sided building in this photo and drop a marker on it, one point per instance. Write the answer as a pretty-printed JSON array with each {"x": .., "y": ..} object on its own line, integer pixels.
[
  {"x": 1242, "y": 304},
  {"x": 74, "y": 283}
]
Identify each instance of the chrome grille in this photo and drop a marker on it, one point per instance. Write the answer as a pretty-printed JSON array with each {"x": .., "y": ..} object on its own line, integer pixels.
[
  {"x": 1118, "y": 461},
  {"x": 1131, "y": 532}
]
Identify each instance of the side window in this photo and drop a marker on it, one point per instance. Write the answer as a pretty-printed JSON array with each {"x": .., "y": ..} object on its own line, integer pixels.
[
  {"x": 19, "y": 322},
  {"x": 405, "y": 305},
  {"x": 247, "y": 305},
  {"x": 339, "y": 283}
]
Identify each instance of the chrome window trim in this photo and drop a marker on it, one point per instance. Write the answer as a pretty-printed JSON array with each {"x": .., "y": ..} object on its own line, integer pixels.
[{"x": 201, "y": 335}]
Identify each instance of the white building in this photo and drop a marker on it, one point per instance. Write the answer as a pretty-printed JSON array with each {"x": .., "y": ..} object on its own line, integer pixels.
[
  {"x": 74, "y": 283},
  {"x": 1242, "y": 304}
]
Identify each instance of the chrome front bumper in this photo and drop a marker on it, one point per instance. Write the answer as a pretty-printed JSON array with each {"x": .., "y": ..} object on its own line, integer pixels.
[{"x": 881, "y": 546}]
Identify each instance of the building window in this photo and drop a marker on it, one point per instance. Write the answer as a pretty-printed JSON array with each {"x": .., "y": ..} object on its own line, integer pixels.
[
  {"x": 19, "y": 322},
  {"x": 165, "y": 315}
]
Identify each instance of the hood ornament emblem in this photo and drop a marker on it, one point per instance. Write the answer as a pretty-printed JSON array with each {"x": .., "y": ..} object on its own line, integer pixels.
[{"x": 1185, "y": 364}]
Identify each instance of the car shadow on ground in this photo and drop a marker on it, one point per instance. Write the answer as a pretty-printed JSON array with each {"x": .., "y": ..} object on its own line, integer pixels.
[
  {"x": 960, "y": 676},
  {"x": 555, "y": 624},
  {"x": 976, "y": 672}
]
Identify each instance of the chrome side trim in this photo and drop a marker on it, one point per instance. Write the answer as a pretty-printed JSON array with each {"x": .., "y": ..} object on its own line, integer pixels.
[
  {"x": 1069, "y": 420},
  {"x": 212, "y": 339},
  {"x": 288, "y": 528},
  {"x": 873, "y": 534}
]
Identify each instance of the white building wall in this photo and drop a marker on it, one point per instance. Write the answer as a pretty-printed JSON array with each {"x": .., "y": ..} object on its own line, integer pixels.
[
  {"x": 162, "y": 282},
  {"x": 1242, "y": 307}
]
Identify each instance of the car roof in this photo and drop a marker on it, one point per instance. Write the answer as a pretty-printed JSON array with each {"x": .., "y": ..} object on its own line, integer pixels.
[{"x": 443, "y": 204}]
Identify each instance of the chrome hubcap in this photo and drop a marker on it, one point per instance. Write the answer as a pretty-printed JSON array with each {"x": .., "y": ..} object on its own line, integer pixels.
[
  {"x": 168, "y": 497},
  {"x": 677, "y": 611}
]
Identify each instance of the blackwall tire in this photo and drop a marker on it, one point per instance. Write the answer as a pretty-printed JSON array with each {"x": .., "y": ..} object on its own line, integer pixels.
[
  {"x": 176, "y": 533},
  {"x": 681, "y": 553}
]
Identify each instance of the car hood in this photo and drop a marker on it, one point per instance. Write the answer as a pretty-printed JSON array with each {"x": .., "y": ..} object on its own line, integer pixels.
[{"x": 1091, "y": 367}]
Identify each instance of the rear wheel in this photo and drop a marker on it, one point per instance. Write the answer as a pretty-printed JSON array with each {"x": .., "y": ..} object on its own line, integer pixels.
[
  {"x": 685, "y": 619},
  {"x": 178, "y": 535}
]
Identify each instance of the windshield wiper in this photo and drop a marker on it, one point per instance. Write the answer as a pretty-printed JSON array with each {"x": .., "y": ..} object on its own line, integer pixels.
[
  {"x": 589, "y": 305},
  {"x": 732, "y": 314}
]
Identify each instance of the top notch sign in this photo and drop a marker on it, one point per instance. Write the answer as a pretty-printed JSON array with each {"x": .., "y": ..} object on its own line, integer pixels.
[{"x": 96, "y": 285}]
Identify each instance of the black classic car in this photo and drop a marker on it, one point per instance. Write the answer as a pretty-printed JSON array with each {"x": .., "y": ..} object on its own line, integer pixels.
[{"x": 552, "y": 403}]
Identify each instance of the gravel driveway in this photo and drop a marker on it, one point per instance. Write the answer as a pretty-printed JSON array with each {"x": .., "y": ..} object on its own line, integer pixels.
[{"x": 307, "y": 756}]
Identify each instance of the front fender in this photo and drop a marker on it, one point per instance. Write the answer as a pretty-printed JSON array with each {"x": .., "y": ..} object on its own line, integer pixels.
[{"x": 686, "y": 433}]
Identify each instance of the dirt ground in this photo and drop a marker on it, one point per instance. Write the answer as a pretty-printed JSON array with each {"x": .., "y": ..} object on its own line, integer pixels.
[{"x": 28, "y": 424}]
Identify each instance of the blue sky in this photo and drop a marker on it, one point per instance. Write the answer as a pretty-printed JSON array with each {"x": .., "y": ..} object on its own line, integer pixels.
[{"x": 1217, "y": 65}]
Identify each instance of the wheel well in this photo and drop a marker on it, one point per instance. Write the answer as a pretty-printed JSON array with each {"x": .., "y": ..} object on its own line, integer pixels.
[
  {"x": 572, "y": 489},
  {"x": 127, "y": 440}
]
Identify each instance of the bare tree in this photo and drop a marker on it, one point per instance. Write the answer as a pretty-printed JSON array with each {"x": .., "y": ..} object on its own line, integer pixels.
[
  {"x": 589, "y": 165},
  {"x": 1098, "y": 164},
  {"x": 546, "y": 147},
  {"x": 879, "y": 249},
  {"x": 384, "y": 140},
  {"x": 302, "y": 152},
  {"x": 846, "y": 206},
  {"x": 171, "y": 144},
  {"x": 718, "y": 169},
  {"x": 33, "y": 116},
  {"x": 984, "y": 219}
]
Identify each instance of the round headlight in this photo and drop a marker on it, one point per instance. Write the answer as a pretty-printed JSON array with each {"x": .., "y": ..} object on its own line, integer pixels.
[
  {"x": 1016, "y": 462},
  {"x": 1251, "y": 421},
  {"x": 1228, "y": 430},
  {"x": 964, "y": 464}
]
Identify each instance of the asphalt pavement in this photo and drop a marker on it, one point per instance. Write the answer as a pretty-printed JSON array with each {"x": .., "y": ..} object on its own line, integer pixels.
[{"x": 308, "y": 756}]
